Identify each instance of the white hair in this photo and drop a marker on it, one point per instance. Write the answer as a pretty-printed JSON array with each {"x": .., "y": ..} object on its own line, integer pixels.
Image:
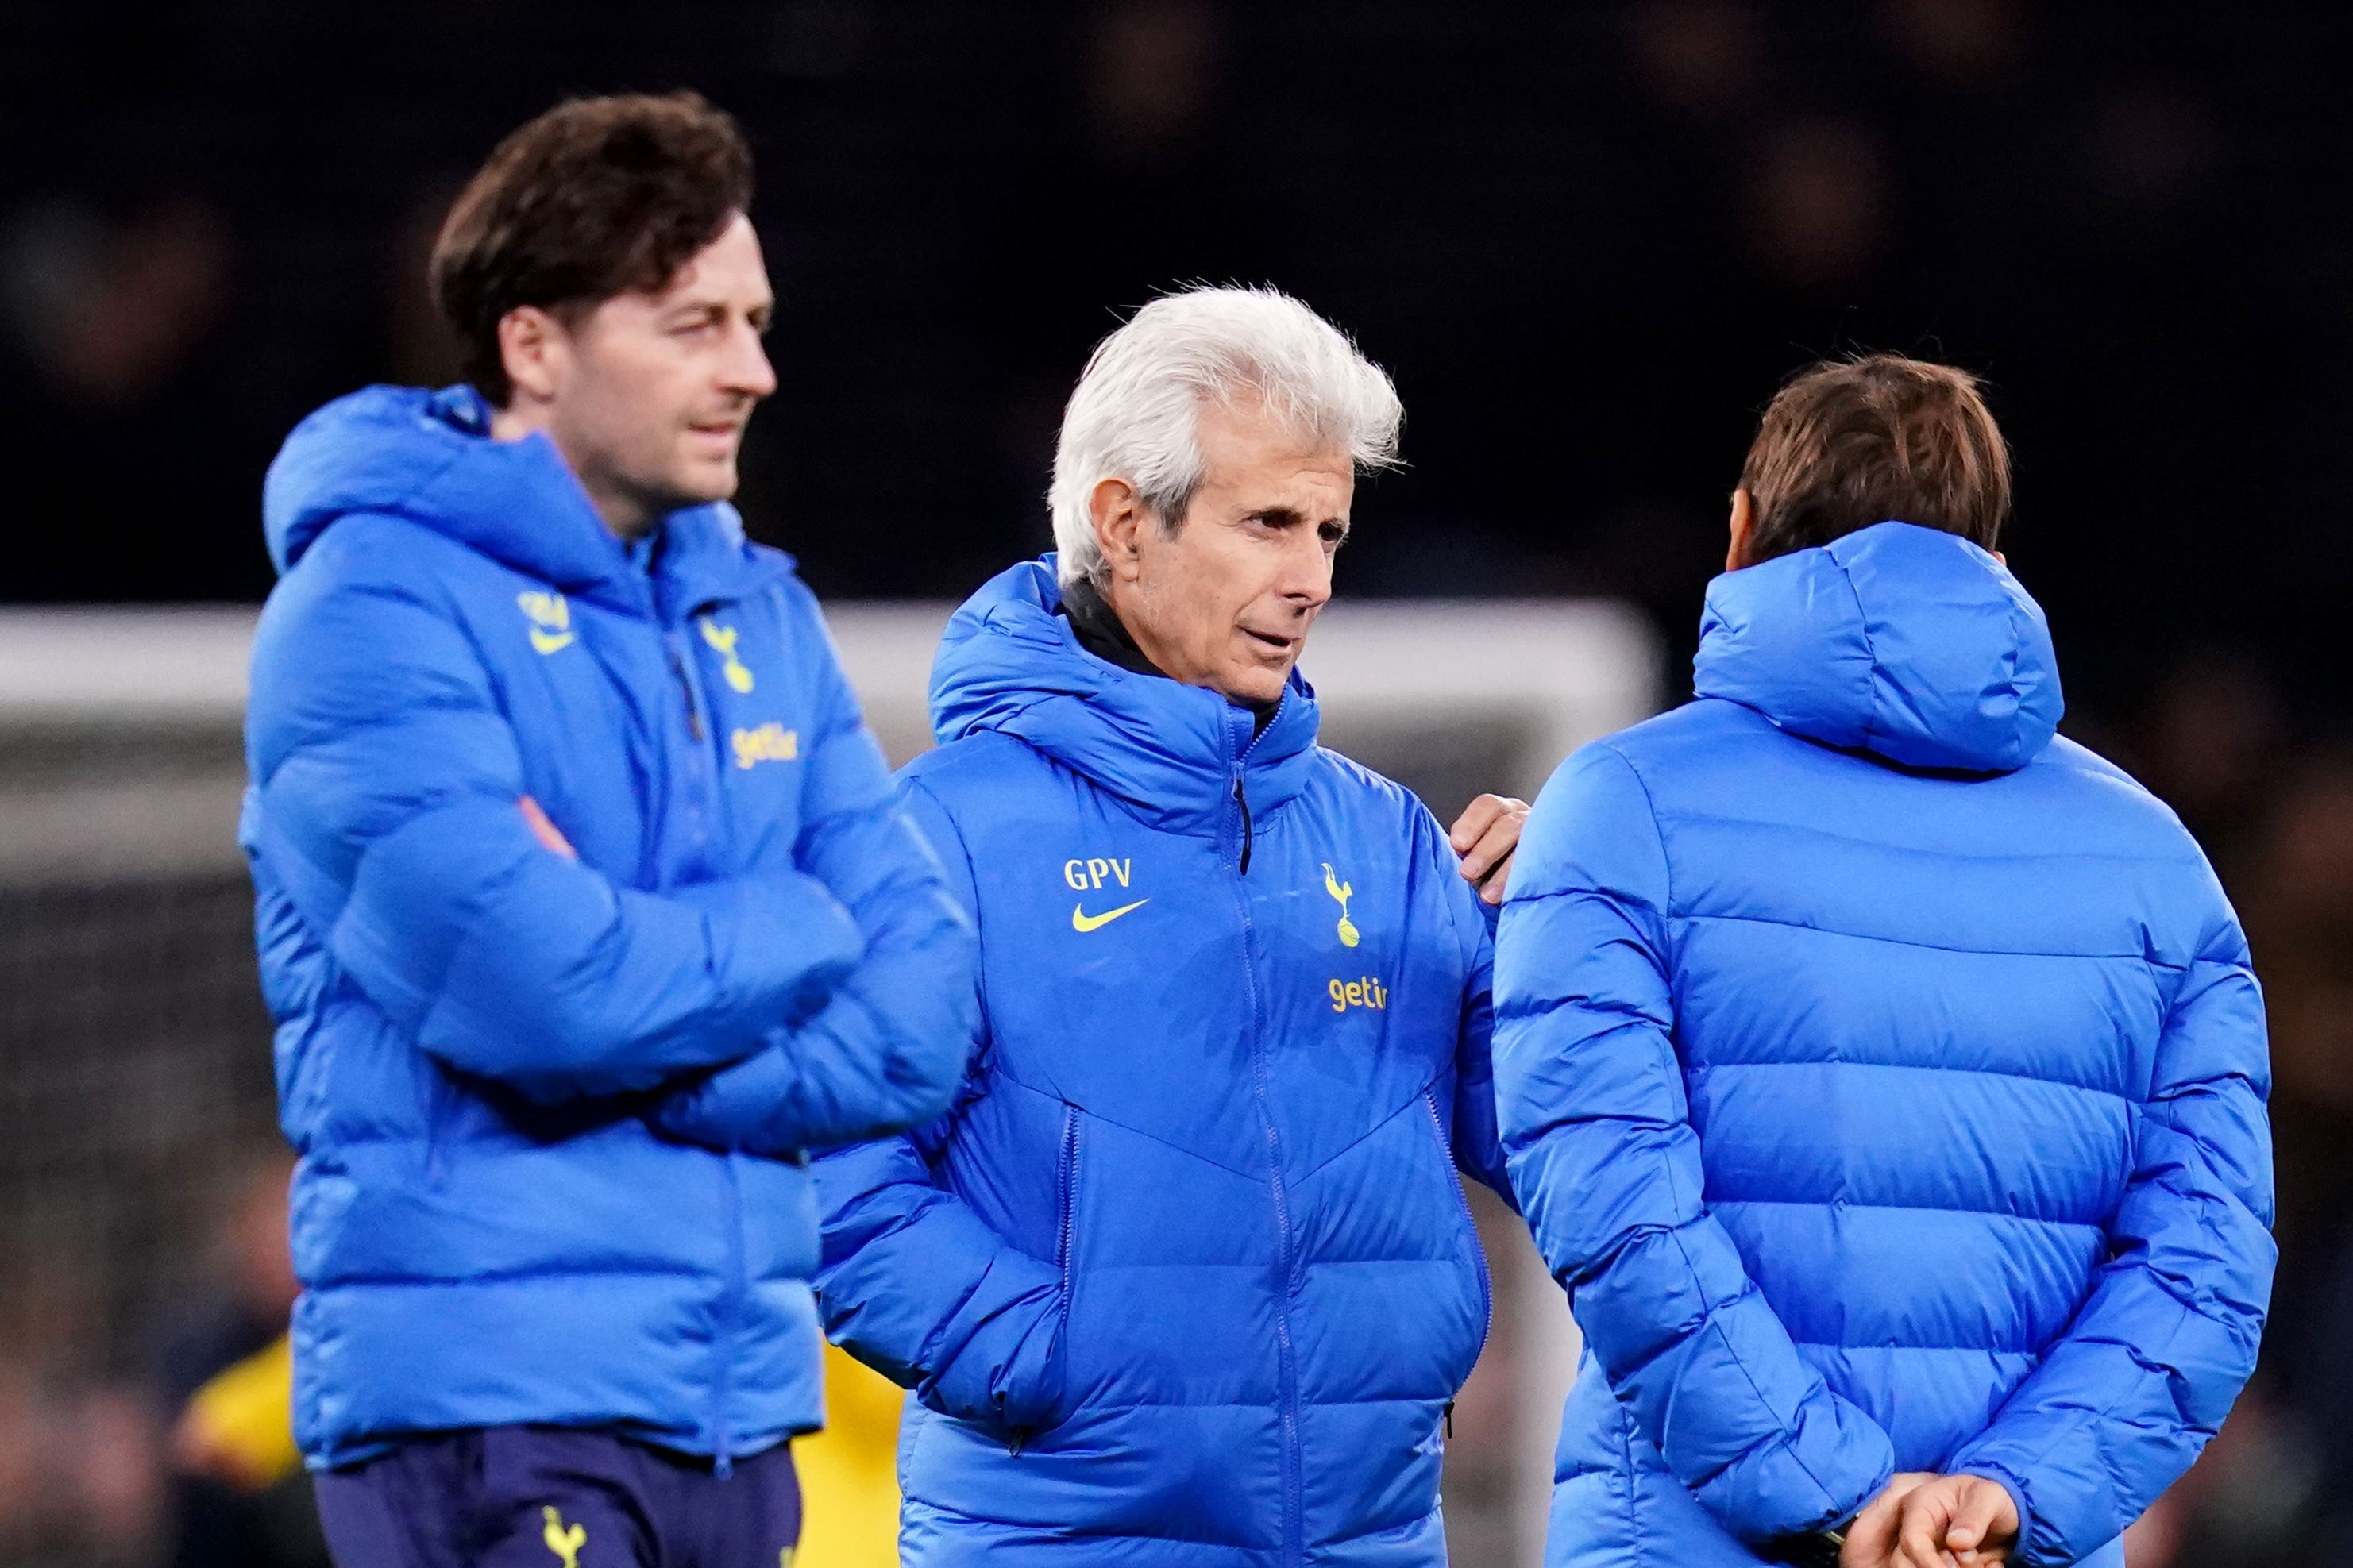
[{"x": 1136, "y": 411}]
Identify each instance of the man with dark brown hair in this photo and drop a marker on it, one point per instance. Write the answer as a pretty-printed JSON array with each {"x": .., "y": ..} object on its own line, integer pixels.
[
  {"x": 1882, "y": 1075},
  {"x": 1876, "y": 438},
  {"x": 587, "y": 905}
]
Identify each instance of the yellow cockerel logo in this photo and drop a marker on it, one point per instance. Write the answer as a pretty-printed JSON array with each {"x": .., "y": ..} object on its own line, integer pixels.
[
  {"x": 565, "y": 1540},
  {"x": 1342, "y": 891},
  {"x": 551, "y": 620},
  {"x": 738, "y": 673}
]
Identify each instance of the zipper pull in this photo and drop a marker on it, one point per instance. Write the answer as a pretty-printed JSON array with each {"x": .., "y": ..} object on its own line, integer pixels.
[
  {"x": 1242, "y": 800},
  {"x": 686, "y": 690},
  {"x": 1449, "y": 1419}
]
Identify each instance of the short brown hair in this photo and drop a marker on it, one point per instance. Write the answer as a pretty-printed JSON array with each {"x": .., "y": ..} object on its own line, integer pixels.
[
  {"x": 1877, "y": 438},
  {"x": 596, "y": 197}
]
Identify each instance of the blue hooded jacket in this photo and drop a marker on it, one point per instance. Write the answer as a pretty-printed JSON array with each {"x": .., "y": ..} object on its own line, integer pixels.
[
  {"x": 1186, "y": 1277},
  {"x": 496, "y": 1058},
  {"x": 1883, "y": 1079}
]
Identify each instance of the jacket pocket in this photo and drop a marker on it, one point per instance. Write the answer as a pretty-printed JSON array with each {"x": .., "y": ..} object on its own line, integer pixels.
[
  {"x": 1067, "y": 1180},
  {"x": 1470, "y": 1224},
  {"x": 1047, "y": 1401}
]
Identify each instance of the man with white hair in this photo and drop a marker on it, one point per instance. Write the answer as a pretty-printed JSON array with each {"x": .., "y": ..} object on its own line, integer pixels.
[{"x": 1186, "y": 1277}]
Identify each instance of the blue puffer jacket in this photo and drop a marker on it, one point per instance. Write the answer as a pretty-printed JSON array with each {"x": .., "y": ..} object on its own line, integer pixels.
[
  {"x": 477, "y": 1035},
  {"x": 1186, "y": 1277},
  {"x": 1883, "y": 1079}
]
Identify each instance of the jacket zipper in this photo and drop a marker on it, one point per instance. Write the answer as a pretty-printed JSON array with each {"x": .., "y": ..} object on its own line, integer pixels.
[
  {"x": 1241, "y": 799},
  {"x": 1070, "y": 1182},
  {"x": 709, "y": 759},
  {"x": 1478, "y": 1248},
  {"x": 1287, "y": 1357},
  {"x": 704, "y": 806},
  {"x": 1070, "y": 1193},
  {"x": 685, "y": 687},
  {"x": 440, "y": 1106},
  {"x": 722, "y": 1338}
]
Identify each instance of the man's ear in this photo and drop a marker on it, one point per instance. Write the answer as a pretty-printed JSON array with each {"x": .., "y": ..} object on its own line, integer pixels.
[
  {"x": 1119, "y": 516},
  {"x": 534, "y": 347},
  {"x": 1743, "y": 523}
]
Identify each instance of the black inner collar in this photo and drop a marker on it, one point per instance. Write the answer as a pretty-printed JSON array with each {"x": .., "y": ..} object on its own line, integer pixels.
[
  {"x": 1102, "y": 633},
  {"x": 1100, "y": 630}
]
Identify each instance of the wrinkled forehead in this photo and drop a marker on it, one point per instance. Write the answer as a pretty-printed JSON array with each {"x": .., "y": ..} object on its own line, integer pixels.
[
  {"x": 1245, "y": 440},
  {"x": 730, "y": 270}
]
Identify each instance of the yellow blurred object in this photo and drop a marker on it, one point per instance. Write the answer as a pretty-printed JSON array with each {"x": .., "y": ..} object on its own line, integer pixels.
[
  {"x": 849, "y": 1471},
  {"x": 239, "y": 1427}
]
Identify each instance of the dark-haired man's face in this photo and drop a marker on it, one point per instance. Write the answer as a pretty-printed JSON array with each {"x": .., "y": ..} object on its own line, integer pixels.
[{"x": 647, "y": 395}]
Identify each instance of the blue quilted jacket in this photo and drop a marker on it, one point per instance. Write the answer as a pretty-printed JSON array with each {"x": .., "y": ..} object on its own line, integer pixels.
[
  {"x": 1883, "y": 1079},
  {"x": 1186, "y": 1277},
  {"x": 523, "y": 1195}
]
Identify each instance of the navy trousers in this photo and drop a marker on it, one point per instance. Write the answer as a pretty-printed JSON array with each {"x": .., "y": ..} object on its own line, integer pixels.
[{"x": 549, "y": 1497}]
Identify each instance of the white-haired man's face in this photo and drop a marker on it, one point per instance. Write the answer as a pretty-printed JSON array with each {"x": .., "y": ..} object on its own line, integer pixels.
[{"x": 1226, "y": 600}]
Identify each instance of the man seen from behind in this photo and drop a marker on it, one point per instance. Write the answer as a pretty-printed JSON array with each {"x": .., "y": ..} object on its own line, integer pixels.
[{"x": 1882, "y": 1074}]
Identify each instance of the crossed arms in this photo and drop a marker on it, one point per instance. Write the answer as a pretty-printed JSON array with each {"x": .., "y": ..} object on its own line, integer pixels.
[{"x": 388, "y": 785}]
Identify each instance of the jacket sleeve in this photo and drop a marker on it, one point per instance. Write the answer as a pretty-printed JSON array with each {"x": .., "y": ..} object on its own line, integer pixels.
[
  {"x": 889, "y": 1050},
  {"x": 387, "y": 785},
  {"x": 2123, "y": 1403},
  {"x": 1602, "y": 1152},
  {"x": 1478, "y": 1150},
  {"x": 917, "y": 1286}
]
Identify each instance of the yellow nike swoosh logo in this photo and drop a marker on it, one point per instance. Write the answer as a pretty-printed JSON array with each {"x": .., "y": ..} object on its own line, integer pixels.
[
  {"x": 549, "y": 642},
  {"x": 1081, "y": 921}
]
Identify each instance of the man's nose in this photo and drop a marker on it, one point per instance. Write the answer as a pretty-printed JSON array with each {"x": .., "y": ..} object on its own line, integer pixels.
[
  {"x": 1307, "y": 572},
  {"x": 747, "y": 371}
]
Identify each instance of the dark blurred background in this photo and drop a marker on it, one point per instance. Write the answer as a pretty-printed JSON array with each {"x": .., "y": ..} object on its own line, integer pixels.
[{"x": 1587, "y": 240}]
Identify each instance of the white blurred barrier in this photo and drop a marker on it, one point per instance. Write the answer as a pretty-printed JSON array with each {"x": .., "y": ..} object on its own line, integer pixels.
[{"x": 118, "y": 728}]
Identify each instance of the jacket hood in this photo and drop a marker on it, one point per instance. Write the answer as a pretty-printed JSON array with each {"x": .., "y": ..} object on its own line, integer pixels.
[
  {"x": 427, "y": 456},
  {"x": 1905, "y": 642},
  {"x": 1009, "y": 662}
]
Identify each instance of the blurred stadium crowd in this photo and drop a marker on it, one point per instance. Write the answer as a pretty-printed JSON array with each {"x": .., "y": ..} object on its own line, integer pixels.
[{"x": 1586, "y": 240}]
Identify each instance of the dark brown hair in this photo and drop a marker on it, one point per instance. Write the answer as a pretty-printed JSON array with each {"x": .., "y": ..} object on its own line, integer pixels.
[
  {"x": 1877, "y": 438},
  {"x": 598, "y": 196}
]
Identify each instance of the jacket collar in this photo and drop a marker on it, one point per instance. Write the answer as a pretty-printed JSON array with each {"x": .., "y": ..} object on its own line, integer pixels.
[
  {"x": 1010, "y": 662},
  {"x": 428, "y": 457}
]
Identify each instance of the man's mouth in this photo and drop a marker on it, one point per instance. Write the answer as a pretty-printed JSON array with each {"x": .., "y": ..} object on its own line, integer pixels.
[{"x": 1269, "y": 641}]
